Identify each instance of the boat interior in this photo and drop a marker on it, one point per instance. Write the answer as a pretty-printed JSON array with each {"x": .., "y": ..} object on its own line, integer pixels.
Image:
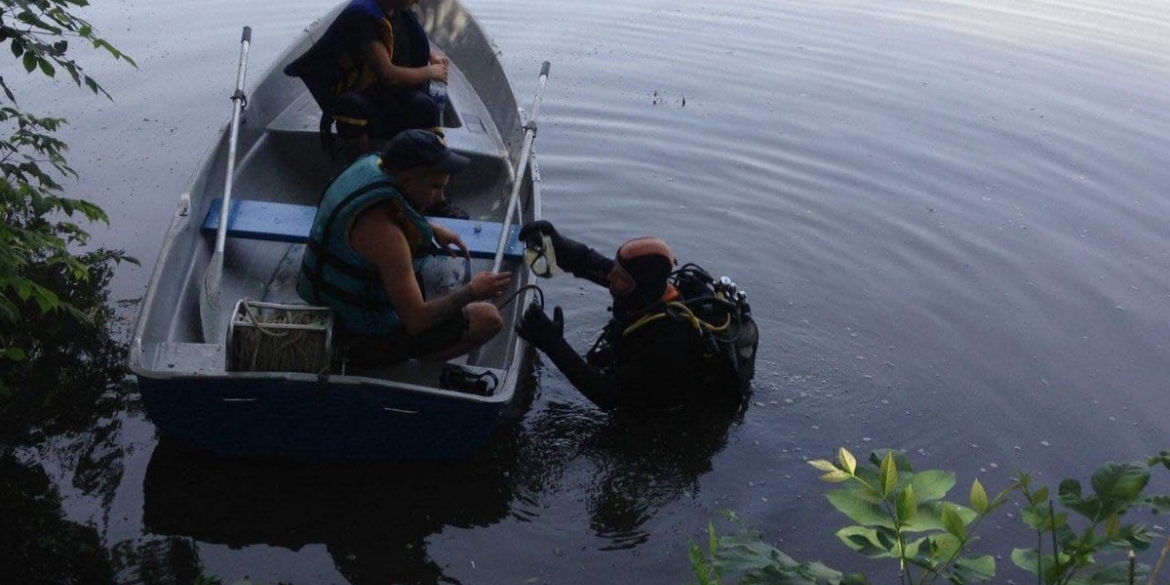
[{"x": 281, "y": 161}]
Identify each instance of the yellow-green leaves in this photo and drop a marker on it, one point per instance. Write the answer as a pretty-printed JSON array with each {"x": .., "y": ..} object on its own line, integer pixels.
[
  {"x": 978, "y": 498},
  {"x": 832, "y": 473},
  {"x": 847, "y": 460}
]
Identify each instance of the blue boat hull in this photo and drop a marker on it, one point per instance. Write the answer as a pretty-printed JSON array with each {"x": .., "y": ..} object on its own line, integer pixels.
[{"x": 316, "y": 420}]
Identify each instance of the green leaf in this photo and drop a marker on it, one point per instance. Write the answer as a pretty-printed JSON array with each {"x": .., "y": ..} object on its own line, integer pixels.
[
  {"x": 944, "y": 546},
  {"x": 1027, "y": 559},
  {"x": 1162, "y": 457},
  {"x": 847, "y": 460},
  {"x": 953, "y": 523},
  {"x": 907, "y": 505},
  {"x": 30, "y": 62},
  {"x": 866, "y": 542},
  {"x": 930, "y": 516},
  {"x": 975, "y": 570},
  {"x": 823, "y": 465},
  {"x": 24, "y": 288},
  {"x": 859, "y": 509},
  {"x": 836, "y": 476},
  {"x": 1069, "y": 493},
  {"x": 1040, "y": 496},
  {"x": 901, "y": 461},
  {"x": 978, "y": 498},
  {"x": 889, "y": 475},
  {"x": 1112, "y": 525},
  {"x": 1120, "y": 484},
  {"x": 15, "y": 354},
  {"x": 932, "y": 484}
]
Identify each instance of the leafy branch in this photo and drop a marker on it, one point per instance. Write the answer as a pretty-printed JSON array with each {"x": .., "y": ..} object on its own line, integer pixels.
[
  {"x": 36, "y": 31},
  {"x": 897, "y": 513},
  {"x": 37, "y": 226}
]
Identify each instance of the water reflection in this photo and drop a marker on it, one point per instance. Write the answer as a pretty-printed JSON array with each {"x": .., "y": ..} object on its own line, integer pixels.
[
  {"x": 373, "y": 518},
  {"x": 635, "y": 465},
  {"x": 37, "y": 543}
]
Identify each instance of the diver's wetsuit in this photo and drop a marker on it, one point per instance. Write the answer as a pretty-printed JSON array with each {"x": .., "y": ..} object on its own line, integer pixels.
[{"x": 658, "y": 364}]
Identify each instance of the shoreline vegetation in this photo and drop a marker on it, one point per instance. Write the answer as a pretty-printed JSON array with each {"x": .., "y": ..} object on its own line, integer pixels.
[
  {"x": 60, "y": 364},
  {"x": 1081, "y": 537}
]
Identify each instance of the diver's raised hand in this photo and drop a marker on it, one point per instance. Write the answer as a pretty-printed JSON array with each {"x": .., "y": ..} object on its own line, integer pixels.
[{"x": 570, "y": 254}]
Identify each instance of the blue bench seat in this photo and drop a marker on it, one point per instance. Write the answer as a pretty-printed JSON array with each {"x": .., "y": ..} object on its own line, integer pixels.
[{"x": 286, "y": 222}]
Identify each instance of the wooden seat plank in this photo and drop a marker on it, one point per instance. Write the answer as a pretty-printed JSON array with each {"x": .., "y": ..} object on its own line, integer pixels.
[{"x": 286, "y": 222}]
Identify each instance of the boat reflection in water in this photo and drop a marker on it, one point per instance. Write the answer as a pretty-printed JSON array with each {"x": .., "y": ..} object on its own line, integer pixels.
[{"x": 373, "y": 518}]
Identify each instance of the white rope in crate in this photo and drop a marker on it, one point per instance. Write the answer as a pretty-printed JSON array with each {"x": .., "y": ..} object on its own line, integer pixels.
[{"x": 270, "y": 337}]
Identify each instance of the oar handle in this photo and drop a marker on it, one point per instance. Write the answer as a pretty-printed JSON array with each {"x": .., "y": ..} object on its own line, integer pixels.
[
  {"x": 238, "y": 100},
  {"x": 521, "y": 166},
  {"x": 540, "y": 81}
]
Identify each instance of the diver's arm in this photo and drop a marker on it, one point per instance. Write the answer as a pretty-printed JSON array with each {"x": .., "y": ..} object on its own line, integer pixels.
[
  {"x": 586, "y": 378},
  {"x": 594, "y": 267},
  {"x": 572, "y": 256},
  {"x": 548, "y": 335}
]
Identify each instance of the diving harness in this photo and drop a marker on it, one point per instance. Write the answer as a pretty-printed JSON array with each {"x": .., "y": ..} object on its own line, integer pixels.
[{"x": 717, "y": 311}]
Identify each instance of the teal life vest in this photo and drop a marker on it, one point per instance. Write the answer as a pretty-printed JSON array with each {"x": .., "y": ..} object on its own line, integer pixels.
[{"x": 334, "y": 274}]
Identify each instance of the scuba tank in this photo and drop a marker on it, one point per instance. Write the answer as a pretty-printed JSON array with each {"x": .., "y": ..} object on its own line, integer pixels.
[{"x": 720, "y": 315}]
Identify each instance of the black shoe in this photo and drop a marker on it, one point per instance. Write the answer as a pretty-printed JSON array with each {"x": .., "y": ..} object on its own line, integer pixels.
[{"x": 445, "y": 208}]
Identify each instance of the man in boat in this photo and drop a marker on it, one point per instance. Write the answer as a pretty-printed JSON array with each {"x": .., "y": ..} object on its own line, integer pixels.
[
  {"x": 368, "y": 242},
  {"x": 371, "y": 73},
  {"x": 678, "y": 338}
]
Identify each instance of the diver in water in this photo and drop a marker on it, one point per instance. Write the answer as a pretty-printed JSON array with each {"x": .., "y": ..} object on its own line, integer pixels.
[{"x": 678, "y": 338}]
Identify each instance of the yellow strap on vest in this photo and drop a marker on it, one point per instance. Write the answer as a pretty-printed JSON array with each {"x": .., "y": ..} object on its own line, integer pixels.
[
  {"x": 683, "y": 311},
  {"x": 351, "y": 121}
]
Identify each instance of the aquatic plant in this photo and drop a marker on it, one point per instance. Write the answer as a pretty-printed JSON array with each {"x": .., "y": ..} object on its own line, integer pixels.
[{"x": 905, "y": 516}]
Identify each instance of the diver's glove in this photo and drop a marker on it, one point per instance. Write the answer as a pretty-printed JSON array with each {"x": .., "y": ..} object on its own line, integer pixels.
[
  {"x": 570, "y": 254},
  {"x": 548, "y": 335},
  {"x": 537, "y": 329}
]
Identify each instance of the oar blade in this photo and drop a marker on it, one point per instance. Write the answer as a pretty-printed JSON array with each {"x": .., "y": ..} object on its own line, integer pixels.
[{"x": 211, "y": 302}]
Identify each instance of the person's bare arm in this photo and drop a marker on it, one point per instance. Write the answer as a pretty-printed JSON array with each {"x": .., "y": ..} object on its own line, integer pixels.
[
  {"x": 388, "y": 73},
  {"x": 377, "y": 239}
]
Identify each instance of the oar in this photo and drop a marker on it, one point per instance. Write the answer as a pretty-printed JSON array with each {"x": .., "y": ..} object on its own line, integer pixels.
[
  {"x": 521, "y": 166},
  {"x": 210, "y": 303}
]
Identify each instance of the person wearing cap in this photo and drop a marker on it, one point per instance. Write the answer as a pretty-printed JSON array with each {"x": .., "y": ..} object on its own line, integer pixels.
[
  {"x": 371, "y": 72},
  {"x": 367, "y": 242},
  {"x": 677, "y": 338}
]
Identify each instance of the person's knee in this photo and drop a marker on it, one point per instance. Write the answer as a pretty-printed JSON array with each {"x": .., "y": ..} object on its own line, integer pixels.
[
  {"x": 423, "y": 111},
  {"x": 484, "y": 322},
  {"x": 352, "y": 113}
]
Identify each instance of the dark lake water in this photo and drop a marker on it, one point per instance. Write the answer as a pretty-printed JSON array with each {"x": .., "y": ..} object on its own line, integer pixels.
[{"x": 950, "y": 215}]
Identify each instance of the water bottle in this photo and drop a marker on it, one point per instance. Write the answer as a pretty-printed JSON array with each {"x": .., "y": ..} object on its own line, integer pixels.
[{"x": 438, "y": 93}]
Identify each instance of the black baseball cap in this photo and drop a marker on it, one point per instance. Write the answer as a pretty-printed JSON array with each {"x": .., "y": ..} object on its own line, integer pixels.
[{"x": 420, "y": 148}]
